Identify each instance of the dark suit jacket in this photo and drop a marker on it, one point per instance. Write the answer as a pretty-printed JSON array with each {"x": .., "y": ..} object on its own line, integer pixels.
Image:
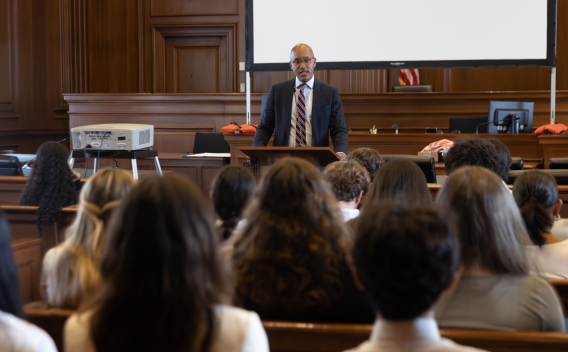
[{"x": 327, "y": 117}]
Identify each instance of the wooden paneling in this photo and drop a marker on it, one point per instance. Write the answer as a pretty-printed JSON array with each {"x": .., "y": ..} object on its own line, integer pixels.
[
  {"x": 193, "y": 8},
  {"x": 194, "y": 59},
  {"x": 8, "y": 59},
  {"x": 27, "y": 258}
]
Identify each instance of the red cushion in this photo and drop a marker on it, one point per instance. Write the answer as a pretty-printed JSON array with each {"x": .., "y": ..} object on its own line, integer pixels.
[{"x": 552, "y": 129}]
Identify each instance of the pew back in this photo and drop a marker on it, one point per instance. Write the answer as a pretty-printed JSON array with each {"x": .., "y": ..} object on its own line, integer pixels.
[{"x": 321, "y": 337}]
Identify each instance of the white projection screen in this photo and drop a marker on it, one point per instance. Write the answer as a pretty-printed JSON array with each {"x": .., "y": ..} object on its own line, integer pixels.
[{"x": 379, "y": 34}]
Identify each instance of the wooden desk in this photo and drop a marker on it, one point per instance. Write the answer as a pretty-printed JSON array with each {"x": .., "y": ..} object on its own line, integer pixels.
[{"x": 201, "y": 170}]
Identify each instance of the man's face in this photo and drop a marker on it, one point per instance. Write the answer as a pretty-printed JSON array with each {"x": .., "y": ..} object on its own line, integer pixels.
[{"x": 298, "y": 56}]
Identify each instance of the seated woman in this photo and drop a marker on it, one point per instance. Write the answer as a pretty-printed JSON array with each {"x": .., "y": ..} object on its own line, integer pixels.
[
  {"x": 232, "y": 188},
  {"x": 401, "y": 181},
  {"x": 291, "y": 261},
  {"x": 536, "y": 195},
  {"x": 16, "y": 334},
  {"x": 495, "y": 291},
  {"x": 52, "y": 184},
  {"x": 163, "y": 283},
  {"x": 70, "y": 270}
]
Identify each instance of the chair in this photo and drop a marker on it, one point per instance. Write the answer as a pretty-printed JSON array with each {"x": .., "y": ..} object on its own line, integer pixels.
[
  {"x": 517, "y": 163},
  {"x": 468, "y": 124},
  {"x": 561, "y": 176},
  {"x": 210, "y": 143},
  {"x": 331, "y": 337},
  {"x": 416, "y": 88},
  {"x": 425, "y": 163},
  {"x": 10, "y": 166},
  {"x": 52, "y": 320},
  {"x": 558, "y": 163}
]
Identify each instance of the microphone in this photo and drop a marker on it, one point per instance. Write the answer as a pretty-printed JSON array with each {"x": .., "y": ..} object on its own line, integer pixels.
[
  {"x": 395, "y": 126},
  {"x": 29, "y": 167},
  {"x": 513, "y": 117}
]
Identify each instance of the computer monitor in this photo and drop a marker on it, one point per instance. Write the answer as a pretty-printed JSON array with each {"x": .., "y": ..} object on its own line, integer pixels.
[
  {"x": 10, "y": 166},
  {"x": 425, "y": 163},
  {"x": 501, "y": 113}
]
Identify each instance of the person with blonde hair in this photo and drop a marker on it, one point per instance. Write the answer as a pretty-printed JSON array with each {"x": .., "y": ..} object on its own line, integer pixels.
[
  {"x": 495, "y": 290},
  {"x": 291, "y": 261},
  {"x": 70, "y": 273}
]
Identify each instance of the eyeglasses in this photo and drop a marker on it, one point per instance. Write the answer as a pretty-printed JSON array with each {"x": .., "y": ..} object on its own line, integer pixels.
[{"x": 299, "y": 62}]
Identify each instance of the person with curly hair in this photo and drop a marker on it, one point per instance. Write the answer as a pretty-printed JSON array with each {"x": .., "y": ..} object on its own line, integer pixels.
[
  {"x": 232, "y": 188},
  {"x": 369, "y": 158},
  {"x": 164, "y": 285},
  {"x": 52, "y": 184},
  {"x": 473, "y": 152},
  {"x": 349, "y": 182},
  {"x": 70, "y": 270},
  {"x": 505, "y": 157},
  {"x": 291, "y": 262}
]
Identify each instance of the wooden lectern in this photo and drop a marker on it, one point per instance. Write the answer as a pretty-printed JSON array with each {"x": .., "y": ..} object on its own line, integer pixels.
[{"x": 266, "y": 156}]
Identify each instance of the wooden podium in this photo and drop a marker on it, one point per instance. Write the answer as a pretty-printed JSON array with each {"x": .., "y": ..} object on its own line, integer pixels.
[{"x": 266, "y": 156}]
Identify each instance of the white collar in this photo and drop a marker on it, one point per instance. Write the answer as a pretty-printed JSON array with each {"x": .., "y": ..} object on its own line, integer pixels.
[
  {"x": 310, "y": 83},
  {"x": 419, "y": 329},
  {"x": 349, "y": 214}
]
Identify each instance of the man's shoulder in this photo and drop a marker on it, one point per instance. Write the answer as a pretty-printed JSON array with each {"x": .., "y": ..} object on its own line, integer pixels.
[
  {"x": 324, "y": 85},
  {"x": 283, "y": 84}
]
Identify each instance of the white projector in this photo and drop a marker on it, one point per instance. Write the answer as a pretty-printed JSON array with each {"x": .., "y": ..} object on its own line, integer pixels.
[{"x": 113, "y": 136}]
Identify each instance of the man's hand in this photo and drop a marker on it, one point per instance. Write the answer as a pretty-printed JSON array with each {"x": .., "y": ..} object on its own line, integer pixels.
[{"x": 342, "y": 156}]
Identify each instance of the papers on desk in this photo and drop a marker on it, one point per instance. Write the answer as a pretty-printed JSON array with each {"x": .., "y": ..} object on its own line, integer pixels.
[{"x": 209, "y": 155}]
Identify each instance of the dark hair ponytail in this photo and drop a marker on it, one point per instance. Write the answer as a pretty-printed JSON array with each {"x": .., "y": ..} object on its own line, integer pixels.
[{"x": 535, "y": 192}]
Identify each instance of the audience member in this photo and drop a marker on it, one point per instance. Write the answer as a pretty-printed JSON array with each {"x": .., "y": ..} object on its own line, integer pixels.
[
  {"x": 536, "y": 194},
  {"x": 16, "y": 335},
  {"x": 369, "y": 158},
  {"x": 70, "y": 270},
  {"x": 504, "y": 157},
  {"x": 495, "y": 291},
  {"x": 473, "y": 152},
  {"x": 232, "y": 188},
  {"x": 52, "y": 185},
  {"x": 349, "y": 181},
  {"x": 405, "y": 258},
  {"x": 291, "y": 261},
  {"x": 163, "y": 283},
  {"x": 401, "y": 181}
]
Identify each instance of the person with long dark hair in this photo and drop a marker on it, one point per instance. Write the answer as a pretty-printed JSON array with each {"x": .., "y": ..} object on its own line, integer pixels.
[
  {"x": 536, "y": 195},
  {"x": 291, "y": 261},
  {"x": 232, "y": 188},
  {"x": 400, "y": 181},
  {"x": 52, "y": 185},
  {"x": 163, "y": 283},
  {"x": 16, "y": 335},
  {"x": 495, "y": 290}
]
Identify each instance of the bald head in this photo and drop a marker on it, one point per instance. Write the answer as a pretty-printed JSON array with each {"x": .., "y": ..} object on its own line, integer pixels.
[{"x": 302, "y": 62}]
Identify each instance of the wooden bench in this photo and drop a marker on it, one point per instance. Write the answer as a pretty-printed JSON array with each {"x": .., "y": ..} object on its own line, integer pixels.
[
  {"x": 561, "y": 287},
  {"x": 51, "y": 320},
  {"x": 29, "y": 246},
  {"x": 321, "y": 337},
  {"x": 11, "y": 189}
]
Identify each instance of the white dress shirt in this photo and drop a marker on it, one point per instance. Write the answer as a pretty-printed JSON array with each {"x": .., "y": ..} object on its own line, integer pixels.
[
  {"x": 560, "y": 229},
  {"x": 309, "y": 100},
  {"x": 17, "y": 335},
  {"x": 549, "y": 261},
  {"x": 349, "y": 214},
  {"x": 418, "y": 335},
  {"x": 239, "y": 330}
]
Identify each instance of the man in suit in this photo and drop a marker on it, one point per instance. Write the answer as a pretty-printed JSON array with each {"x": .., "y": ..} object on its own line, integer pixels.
[{"x": 303, "y": 111}]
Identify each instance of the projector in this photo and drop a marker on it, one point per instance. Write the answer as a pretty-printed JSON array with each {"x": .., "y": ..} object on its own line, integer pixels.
[{"x": 113, "y": 136}]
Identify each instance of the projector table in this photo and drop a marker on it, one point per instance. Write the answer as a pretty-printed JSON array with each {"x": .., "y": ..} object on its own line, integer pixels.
[{"x": 133, "y": 155}]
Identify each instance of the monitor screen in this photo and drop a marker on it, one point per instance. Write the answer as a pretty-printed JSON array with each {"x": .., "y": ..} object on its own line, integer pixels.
[
  {"x": 365, "y": 34},
  {"x": 502, "y": 114}
]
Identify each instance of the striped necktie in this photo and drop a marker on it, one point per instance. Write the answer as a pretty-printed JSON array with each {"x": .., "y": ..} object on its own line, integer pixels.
[{"x": 301, "y": 117}]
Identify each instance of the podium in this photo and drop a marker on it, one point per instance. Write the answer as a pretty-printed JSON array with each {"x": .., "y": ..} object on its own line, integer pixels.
[{"x": 266, "y": 156}]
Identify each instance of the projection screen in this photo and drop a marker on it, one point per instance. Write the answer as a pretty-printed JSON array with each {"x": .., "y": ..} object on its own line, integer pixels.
[{"x": 379, "y": 34}]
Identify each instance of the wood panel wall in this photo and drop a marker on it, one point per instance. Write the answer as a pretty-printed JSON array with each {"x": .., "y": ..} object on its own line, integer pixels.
[{"x": 170, "y": 46}]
